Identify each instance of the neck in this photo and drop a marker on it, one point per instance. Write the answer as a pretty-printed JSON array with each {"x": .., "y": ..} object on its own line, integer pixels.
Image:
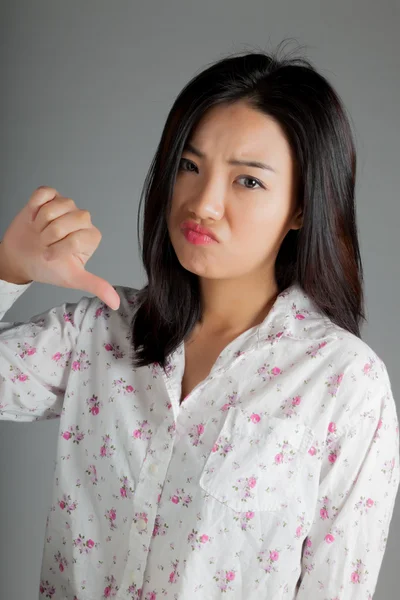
[{"x": 230, "y": 306}]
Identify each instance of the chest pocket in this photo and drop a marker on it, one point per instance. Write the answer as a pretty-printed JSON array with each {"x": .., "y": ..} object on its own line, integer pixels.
[{"x": 254, "y": 466}]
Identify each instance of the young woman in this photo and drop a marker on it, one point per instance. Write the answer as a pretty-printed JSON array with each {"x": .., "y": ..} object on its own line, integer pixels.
[{"x": 224, "y": 432}]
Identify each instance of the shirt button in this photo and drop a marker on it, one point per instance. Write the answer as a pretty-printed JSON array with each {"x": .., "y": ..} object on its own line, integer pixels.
[
  {"x": 153, "y": 468},
  {"x": 141, "y": 524}
]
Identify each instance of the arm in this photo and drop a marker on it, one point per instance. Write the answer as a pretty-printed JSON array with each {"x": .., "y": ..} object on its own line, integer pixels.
[
  {"x": 35, "y": 357},
  {"x": 344, "y": 549}
]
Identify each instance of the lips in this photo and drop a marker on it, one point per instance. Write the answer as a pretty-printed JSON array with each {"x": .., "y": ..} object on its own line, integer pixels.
[{"x": 198, "y": 229}]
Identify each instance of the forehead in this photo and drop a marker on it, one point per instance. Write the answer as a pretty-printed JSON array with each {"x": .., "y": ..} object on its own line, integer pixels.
[{"x": 241, "y": 130}]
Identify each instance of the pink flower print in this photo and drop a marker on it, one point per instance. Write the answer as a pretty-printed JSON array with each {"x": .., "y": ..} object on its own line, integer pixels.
[
  {"x": 180, "y": 496},
  {"x": 359, "y": 574},
  {"x": 61, "y": 561},
  {"x": 111, "y": 516},
  {"x": 82, "y": 363},
  {"x": 222, "y": 444},
  {"x": 68, "y": 318},
  {"x": 299, "y": 531},
  {"x": 111, "y": 589},
  {"x": 332, "y": 427},
  {"x": 267, "y": 373},
  {"x": 323, "y": 513},
  {"x": 122, "y": 388},
  {"x": 255, "y": 418},
  {"x": 244, "y": 487},
  {"x": 332, "y": 457},
  {"x": 84, "y": 546},
  {"x": 19, "y": 375},
  {"x": 116, "y": 352},
  {"x": 329, "y": 538},
  {"x": 26, "y": 350},
  {"x": 73, "y": 433},
  {"x": 289, "y": 406},
  {"x": 313, "y": 351},
  {"x": 107, "y": 449},
  {"x": 126, "y": 490},
  {"x": 298, "y": 313},
  {"x": 92, "y": 472},
  {"x": 172, "y": 577},
  {"x": 333, "y": 382},
  {"x": 160, "y": 527},
  {"x": 312, "y": 451},
  {"x": 223, "y": 578},
  {"x": 244, "y": 519},
  {"x": 195, "y": 432},
  {"x": 267, "y": 560},
  {"x": 144, "y": 432},
  {"x": 67, "y": 503},
  {"x": 197, "y": 541},
  {"x": 62, "y": 359},
  {"x": 46, "y": 589},
  {"x": 94, "y": 405},
  {"x": 364, "y": 504},
  {"x": 279, "y": 458}
]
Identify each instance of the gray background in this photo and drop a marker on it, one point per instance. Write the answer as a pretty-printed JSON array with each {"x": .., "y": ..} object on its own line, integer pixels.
[{"x": 85, "y": 90}]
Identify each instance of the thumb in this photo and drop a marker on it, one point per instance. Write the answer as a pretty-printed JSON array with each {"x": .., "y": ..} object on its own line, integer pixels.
[{"x": 88, "y": 282}]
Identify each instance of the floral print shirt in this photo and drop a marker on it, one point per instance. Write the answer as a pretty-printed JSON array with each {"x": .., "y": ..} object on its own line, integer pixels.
[{"x": 274, "y": 479}]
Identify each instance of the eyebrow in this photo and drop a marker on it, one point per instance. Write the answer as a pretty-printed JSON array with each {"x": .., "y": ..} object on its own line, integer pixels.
[{"x": 248, "y": 163}]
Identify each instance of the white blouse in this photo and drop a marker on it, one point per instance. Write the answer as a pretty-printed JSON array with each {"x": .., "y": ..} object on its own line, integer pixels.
[{"x": 275, "y": 478}]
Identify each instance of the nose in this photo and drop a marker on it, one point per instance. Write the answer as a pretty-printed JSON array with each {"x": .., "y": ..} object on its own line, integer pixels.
[{"x": 208, "y": 203}]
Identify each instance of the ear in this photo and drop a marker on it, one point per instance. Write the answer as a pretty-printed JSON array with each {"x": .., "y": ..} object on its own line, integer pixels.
[{"x": 297, "y": 221}]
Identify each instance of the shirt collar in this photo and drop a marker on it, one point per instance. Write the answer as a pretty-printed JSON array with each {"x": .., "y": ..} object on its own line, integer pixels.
[{"x": 293, "y": 315}]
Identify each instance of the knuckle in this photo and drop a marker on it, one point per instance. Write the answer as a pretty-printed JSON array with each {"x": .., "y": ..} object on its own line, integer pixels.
[
  {"x": 56, "y": 229},
  {"x": 85, "y": 214},
  {"x": 69, "y": 202}
]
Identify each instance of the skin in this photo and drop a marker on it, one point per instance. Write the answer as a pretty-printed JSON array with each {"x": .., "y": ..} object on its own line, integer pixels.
[{"x": 249, "y": 209}]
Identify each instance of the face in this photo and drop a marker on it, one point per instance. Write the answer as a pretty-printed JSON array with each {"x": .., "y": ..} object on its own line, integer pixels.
[{"x": 248, "y": 209}]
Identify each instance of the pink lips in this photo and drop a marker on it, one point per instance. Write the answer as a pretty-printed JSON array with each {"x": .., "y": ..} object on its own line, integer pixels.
[{"x": 195, "y": 234}]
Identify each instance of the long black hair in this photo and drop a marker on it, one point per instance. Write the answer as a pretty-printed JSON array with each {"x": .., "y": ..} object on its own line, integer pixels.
[{"x": 323, "y": 257}]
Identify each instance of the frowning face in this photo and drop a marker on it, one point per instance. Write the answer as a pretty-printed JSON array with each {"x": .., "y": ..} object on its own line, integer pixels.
[{"x": 248, "y": 209}]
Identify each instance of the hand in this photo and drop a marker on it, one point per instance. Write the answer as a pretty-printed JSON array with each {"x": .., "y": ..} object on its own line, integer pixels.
[{"x": 50, "y": 241}]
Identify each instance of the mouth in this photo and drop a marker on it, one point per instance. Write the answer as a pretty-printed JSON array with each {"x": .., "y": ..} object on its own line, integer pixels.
[{"x": 195, "y": 234}]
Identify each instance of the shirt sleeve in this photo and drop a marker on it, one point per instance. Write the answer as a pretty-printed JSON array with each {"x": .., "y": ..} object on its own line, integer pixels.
[
  {"x": 344, "y": 549},
  {"x": 35, "y": 357}
]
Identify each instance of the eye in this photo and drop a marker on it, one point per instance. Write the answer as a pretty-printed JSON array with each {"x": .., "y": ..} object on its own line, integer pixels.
[
  {"x": 253, "y": 179},
  {"x": 186, "y": 161}
]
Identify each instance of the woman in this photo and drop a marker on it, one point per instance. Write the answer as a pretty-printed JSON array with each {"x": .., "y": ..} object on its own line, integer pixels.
[{"x": 225, "y": 432}]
